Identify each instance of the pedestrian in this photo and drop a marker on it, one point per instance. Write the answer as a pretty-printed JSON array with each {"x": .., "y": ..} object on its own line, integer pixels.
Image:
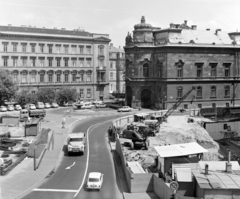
[
  {"x": 110, "y": 131},
  {"x": 63, "y": 122}
]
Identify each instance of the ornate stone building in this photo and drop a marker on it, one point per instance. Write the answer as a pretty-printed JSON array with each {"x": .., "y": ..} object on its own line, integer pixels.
[
  {"x": 56, "y": 58},
  {"x": 163, "y": 64},
  {"x": 116, "y": 69}
]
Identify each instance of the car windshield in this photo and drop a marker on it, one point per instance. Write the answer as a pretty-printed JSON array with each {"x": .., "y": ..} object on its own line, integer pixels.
[
  {"x": 93, "y": 180},
  {"x": 76, "y": 139}
]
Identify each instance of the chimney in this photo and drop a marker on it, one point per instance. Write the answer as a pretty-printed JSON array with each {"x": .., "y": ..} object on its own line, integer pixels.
[
  {"x": 206, "y": 169},
  {"x": 119, "y": 47},
  {"x": 185, "y": 22},
  {"x": 111, "y": 45},
  {"x": 177, "y": 25},
  {"x": 217, "y": 31},
  {"x": 208, "y": 29},
  {"x": 228, "y": 163},
  {"x": 171, "y": 25},
  {"x": 194, "y": 27}
]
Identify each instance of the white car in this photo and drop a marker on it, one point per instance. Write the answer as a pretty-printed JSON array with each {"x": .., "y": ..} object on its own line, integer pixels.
[
  {"x": 125, "y": 109},
  {"x": 94, "y": 181},
  {"x": 40, "y": 105},
  {"x": 54, "y": 105},
  {"x": 30, "y": 106},
  {"x": 87, "y": 105},
  {"x": 100, "y": 105},
  {"x": 10, "y": 108},
  {"x": 3, "y": 109},
  {"x": 18, "y": 107},
  {"x": 47, "y": 105}
]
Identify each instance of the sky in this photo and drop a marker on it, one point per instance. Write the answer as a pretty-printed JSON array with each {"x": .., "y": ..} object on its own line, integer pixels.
[{"x": 118, "y": 17}]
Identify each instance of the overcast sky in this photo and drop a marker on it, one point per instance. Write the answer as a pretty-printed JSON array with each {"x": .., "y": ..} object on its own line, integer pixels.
[{"x": 117, "y": 17}]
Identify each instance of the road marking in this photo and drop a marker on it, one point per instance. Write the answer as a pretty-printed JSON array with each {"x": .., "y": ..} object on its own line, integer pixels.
[
  {"x": 71, "y": 166},
  {"x": 56, "y": 190}
]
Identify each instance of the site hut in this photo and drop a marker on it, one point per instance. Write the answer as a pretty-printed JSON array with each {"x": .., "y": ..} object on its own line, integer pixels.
[
  {"x": 217, "y": 179},
  {"x": 178, "y": 153}
]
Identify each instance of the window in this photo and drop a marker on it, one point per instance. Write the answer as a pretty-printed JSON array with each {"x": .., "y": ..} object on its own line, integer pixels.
[
  {"x": 101, "y": 50},
  {"x": 58, "y": 77},
  {"x": 33, "y": 62},
  {"x": 199, "y": 70},
  {"x": 88, "y": 93},
  {"x": 227, "y": 104},
  {"x": 199, "y": 92},
  {"x": 33, "y": 48},
  {"x": 185, "y": 106},
  {"x": 88, "y": 77},
  {"x": 88, "y": 50},
  {"x": 66, "y": 49},
  {"x": 179, "y": 66},
  {"x": 213, "y": 92},
  {"x": 81, "y": 93},
  {"x": 81, "y": 77},
  {"x": 33, "y": 92},
  {"x": 81, "y": 50},
  {"x": 41, "y": 77},
  {"x": 14, "y": 47},
  {"x": 15, "y": 77},
  {"x": 214, "y": 105},
  {"x": 111, "y": 75},
  {"x": 41, "y": 48},
  {"x": 41, "y": 62},
  {"x": 5, "y": 45},
  {"x": 74, "y": 63},
  {"x": 74, "y": 77},
  {"x": 33, "y": 78},
  {"x": 24, "y": 62},
  {"x": 160, "y": 67},
  {"x": 73, "y": 49},
  {"x": 81, "y": 62},
  {"x": 111, "y": 64},
  {"x": 66, "y": 62},
  {"x": 227, "y": 69},
  {"x": 145, "y": 70},
  {"x": 58, "y": 48},
  {"x": 50, "y": 62},
  {"x": 50, "y": 77},
  {"x": 50, "y": 49},
  {"x": 213, "y": 69},
  {"x": 14, "y": 62},
  {"x": 101, "y": 63},
  {"x": 5, "y": 61},
  {"x": 199, "y": 105},
  {"x": 24, "y": 48},
  {"x": 179, "y": 92},
  {"x": 66, "y": 77},
  {"x": 89, "y": 62},
  {"x": 24, "y": 78},
  {"x": 227, "y": 91},
  {"x": 58, "y": 62}
]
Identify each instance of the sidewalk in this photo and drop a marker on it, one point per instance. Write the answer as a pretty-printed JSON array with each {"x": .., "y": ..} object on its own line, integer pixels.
[{"x": 23, "y": 177}]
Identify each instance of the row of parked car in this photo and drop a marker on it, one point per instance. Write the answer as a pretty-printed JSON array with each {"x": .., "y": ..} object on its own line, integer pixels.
[
  {"x": 90, "y": 105},
  {"x": 39, "y": 105}
]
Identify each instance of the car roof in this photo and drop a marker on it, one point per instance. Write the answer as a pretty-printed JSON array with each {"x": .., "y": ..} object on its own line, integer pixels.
[
  {"x": 76, "y": 135},
  {"x": 94, "y": 175}
]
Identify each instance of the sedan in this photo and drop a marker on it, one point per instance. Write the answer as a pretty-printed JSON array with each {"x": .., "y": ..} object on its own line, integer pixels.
[
  {"x": 54, "y": 105},
  {"x": 10, "y": 108},
  {"x": 87, "y": 106},
  {"x": 47, "y": 105},
  {"x": 125, "y": 109},
  {"x": 18, "y": 107},
  {"x": 100, "y": 105},
  {"x": 3, "y": 109},
  {"x": 94, "y": 181}
]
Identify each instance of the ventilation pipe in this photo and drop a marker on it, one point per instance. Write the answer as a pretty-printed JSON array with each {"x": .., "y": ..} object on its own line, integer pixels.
[
  {"x": 194, "y": 27},
  {"x": 206, "y": 169},
  {"x": 228, "y": 163}
]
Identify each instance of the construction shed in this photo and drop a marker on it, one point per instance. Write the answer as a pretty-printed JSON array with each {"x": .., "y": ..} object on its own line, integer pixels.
[
  {"x": 9, "y": 119},
  {"x": 33, "y": 127}
]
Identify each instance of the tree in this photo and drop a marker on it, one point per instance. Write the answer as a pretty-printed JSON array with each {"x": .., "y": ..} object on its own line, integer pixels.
[
  {"x": 24, "y": 97},
  {"x": 46, "y": 95},
  {"x": 66, "y": 95},
  {"x": 7, "y": 87}
]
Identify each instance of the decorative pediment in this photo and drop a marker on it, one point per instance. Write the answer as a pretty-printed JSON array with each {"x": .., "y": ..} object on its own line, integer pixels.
[
  {"x": 102, "y": 39},
  {"x": 180, "y": 62},
  {"x": 146, "y": 58}
]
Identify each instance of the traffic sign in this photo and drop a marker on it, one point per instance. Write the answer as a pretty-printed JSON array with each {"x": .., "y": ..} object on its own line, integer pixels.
[{"x": 174, "y": 185}]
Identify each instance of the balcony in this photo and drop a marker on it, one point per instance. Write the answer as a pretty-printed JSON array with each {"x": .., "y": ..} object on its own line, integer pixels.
[
  {"x": 101, "y": 68},
  {"x": 102, "y": 82},
  {"x": 101, "y": 56}
]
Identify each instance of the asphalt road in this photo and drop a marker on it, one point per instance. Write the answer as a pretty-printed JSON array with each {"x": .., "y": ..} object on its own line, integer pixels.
[{"x": 70, "y": 183}]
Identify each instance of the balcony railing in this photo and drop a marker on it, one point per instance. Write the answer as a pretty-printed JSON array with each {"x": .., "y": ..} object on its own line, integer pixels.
[{"x": 102, "y": 68}]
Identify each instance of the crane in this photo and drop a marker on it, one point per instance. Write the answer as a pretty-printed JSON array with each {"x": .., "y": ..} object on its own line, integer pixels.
[{"x": 174, "y": 107}]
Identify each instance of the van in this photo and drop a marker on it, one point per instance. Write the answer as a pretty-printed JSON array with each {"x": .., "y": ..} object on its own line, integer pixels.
[{"x": 39, "y": 105}]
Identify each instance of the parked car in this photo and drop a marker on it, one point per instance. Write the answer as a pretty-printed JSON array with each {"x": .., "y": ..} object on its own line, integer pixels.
[
  {"x": 100, "y": 105},
  {"x": 47, "y": 105},
  {"x": 87, "y": 105},
  {"x": 18, "y": 107},
  {"x": 40, "y": 105},
  {"x": 70, "y": 103},
  {"x": 10, "y": 107},
  {"x": 125, "y": 109},
  {"x": 30, "y": 107},
  {"x": 54, "y": 105},
  {"x": 3, "y": 109},
  {"x": 94, "y": 181},
  {"x": 97, "y": 102}
]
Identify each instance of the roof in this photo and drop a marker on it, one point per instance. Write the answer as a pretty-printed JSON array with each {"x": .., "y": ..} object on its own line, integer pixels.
[
  {"x": 94, "y": 175},
  {"x": 76, "y": 135},
  {"x": 183, "y": 174},
  {"x": 135, "y": 167},
  {"x": 218, "y": 165},
  {"x": 176, "y": 150},
  {"x": 218, "y": 180}
]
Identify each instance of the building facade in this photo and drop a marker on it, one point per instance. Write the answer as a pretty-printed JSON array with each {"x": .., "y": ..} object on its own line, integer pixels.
[
  {"x": 56, "y": 58},
  {"x": 164, "y": 64},
  {"x": 116, "y": 69}
]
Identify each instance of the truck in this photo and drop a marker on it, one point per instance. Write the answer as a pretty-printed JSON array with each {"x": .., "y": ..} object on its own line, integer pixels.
[
  {"x": 25, "y": 114},
  {"x": 76, "y": 143}
]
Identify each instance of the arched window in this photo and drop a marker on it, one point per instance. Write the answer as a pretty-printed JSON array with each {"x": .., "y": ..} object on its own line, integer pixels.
[{"x": 145, "y": 70}]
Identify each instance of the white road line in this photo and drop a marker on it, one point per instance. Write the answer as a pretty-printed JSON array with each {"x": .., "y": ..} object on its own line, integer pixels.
[{"x": 56, "y": 190}]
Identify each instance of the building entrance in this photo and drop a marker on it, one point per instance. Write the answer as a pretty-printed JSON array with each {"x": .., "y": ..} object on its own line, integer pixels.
[
  {"x": 129, "y": 96},
  {"x": 146, "y": 98}
]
